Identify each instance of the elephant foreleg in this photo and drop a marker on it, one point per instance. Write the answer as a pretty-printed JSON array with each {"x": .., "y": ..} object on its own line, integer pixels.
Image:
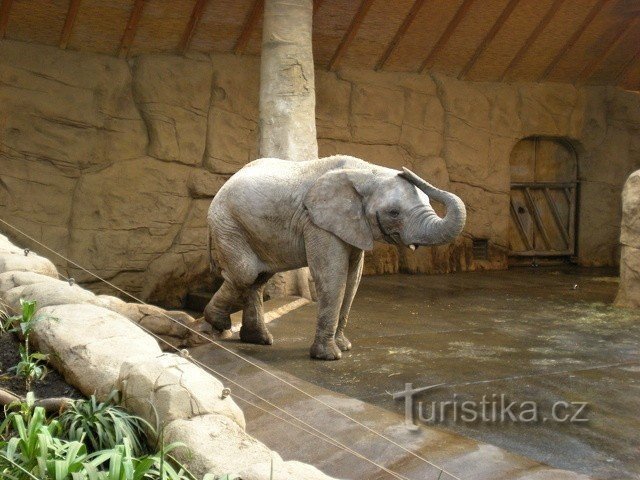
[
  {"x": 356, "y": 262},
  {"x": 328, "y": 259}
]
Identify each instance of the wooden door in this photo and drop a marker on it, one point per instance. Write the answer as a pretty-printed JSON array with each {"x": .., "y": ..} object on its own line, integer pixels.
[{"x": 543, "y": 198}]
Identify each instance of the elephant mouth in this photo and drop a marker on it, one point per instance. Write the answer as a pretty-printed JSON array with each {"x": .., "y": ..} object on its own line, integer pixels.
[{"x": 388, "y": 237}]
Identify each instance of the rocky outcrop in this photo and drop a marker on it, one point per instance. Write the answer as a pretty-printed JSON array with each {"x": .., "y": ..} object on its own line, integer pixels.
[
  {"x": 629, "y": 292},
  {"x": 36, "y": 279},
  {"x": 93, "y": 340},
  {"x": 114, "y": 163}
]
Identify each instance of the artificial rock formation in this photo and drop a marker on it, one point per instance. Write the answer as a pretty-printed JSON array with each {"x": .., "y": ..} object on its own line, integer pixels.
[
  {"x": 629, "y": 292},
  {"x": 114, "y": 163},
  {"x": 99, "y": 350}
]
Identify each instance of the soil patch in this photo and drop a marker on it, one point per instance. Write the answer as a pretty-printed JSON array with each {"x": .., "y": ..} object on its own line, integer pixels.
[{"x": 53, "y": 385}]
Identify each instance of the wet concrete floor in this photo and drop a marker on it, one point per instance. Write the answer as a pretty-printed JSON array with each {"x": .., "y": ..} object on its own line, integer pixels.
[{"x": 541, "y": 335}]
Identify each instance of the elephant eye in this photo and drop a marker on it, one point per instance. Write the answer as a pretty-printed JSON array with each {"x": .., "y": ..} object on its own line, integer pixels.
[{"x": 394, "y": 213}]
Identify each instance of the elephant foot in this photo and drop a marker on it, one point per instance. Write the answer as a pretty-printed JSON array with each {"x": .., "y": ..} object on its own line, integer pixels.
[
  {"x": 223, "y": 334},
  {"x": 256, "y": 335},
  {"x": 325, "y": 350},
  {"x": 343, "y": 342},
  {"x": 219, "y": 321}
]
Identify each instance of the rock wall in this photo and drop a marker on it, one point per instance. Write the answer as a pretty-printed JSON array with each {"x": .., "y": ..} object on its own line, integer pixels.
[
  {"x": 113, "y": 163},
  {"x": 629, "y": 292}
]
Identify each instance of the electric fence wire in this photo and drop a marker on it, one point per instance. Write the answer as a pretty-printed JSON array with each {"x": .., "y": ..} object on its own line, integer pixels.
[{"x": 441, "y": 470}]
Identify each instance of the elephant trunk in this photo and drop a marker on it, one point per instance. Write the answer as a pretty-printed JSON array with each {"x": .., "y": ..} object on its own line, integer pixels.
[{"x": 432, "y": 229}]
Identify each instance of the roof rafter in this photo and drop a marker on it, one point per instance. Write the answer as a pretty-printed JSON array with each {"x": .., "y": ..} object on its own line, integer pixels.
[
  {"x": 248, "y": 27},
  {"x": 444, "y": 38},
  {"x": 350, "y": 34},
  {"x": 316, "y": 5},
  {"x": 72, "y": 13},
  {"x": 190, "y": 29},
  {"x": 408, "y": 20},
  {"x": 533, "y": 37},
  {"x": 5, "y": 8},
  {"x": 595, "y": 62},
  {"x": 621, "y": 76},
  {"x": 574, "y": 38},
  {"x": 130, "y": 30},
  {"x": 508, "y": 9}
]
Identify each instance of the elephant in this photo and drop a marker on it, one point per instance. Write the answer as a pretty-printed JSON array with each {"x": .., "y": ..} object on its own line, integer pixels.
[{"x": 275, "y": 215}]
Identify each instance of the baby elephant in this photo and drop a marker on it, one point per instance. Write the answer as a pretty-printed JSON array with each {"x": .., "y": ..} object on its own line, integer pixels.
[{"x": 276, "y": 215}]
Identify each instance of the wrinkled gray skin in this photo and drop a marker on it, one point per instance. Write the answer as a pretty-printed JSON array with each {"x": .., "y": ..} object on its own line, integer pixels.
[{"x": 275, "y": 215}]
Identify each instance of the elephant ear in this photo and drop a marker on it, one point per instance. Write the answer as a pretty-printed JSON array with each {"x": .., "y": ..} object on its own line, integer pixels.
[{"x": 335, "y": 205}]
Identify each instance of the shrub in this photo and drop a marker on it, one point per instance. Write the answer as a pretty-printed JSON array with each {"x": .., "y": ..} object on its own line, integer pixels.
[
  {"x": 31, "y": 448},
  {"x": 103, "y": 425}
]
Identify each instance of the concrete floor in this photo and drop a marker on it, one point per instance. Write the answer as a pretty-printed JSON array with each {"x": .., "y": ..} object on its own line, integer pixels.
[{"x": 542, "y": 335}]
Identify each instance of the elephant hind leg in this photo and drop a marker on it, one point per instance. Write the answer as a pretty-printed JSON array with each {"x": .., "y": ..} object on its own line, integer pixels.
[
  {"x": 228, "y": 299},
  {"x": 253, "y": 328}
]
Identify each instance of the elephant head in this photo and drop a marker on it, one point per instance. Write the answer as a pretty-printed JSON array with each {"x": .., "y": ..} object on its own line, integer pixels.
[{"x": 361, "y": 205}]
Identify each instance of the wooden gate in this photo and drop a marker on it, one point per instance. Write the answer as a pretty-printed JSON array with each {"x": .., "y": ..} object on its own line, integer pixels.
[{"x": 543, "y": 198}]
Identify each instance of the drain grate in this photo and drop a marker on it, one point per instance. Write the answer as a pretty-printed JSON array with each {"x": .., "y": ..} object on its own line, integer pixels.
[{"x": 480, "y": 249}]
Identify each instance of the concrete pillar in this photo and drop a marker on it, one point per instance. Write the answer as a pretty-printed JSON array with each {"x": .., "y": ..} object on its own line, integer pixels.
[
  {"x": 288, "y": 103},
  {"x": 629, "y": 292}
]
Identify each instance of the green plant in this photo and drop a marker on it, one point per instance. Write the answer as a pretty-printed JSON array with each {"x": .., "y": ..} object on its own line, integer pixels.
[
  {"x": 31, "y": 448},
  {"x": 121, "y": 464},
  {"x": 31, "y": 366},
  {"x": 30, "y": 442},
  {"x": 103, "y": 425}
]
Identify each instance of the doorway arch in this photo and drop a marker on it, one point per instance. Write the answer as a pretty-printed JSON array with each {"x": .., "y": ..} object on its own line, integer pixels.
[{"x": 544, "y": 182}]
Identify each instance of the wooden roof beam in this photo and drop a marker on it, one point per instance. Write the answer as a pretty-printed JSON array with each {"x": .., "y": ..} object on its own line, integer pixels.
[
  {"x": 621, "y": 76},
  {"x": 573, "y": 39},
  {"x": 70, "y": 20},
  {"x": 533, "y": 37},
  {"x": 408, "y": 20},
  {"x": 444, "y": 38},
  {"x": 5, "y": 8},
  {"x": 595, "y": 62},
  {"x": 130, "y": 29},
  {"x": 350, "y": 34},
  {"x": 248, "y": 27},
  {"x": 316, "y": 5},
  {"x": 190, "y": 29},
  {"x": 491, "y": 34}
]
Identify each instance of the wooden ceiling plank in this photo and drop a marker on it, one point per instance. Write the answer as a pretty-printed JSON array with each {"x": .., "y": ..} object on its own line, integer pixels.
[
  {"x": 621, "y": 76},
  {"x": 533, "y": 37},
  {"x": 190, "y": 29},
  {"x": 408, "y": 20},
  {"x": 573, "y": 39},
  {"x": 595, "y": 62},
  {"x": 444, "y": 38},
  {"x": 5, "y": 8},
  {"x": 316, "y": 5},
  {"x": 248, "y": 27},
  {"x": 70, "y": 20},
  {"x": 130, "y": 30},
  {"x": 350, "y": 34},
  {"x": 508, "y": 9}
]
